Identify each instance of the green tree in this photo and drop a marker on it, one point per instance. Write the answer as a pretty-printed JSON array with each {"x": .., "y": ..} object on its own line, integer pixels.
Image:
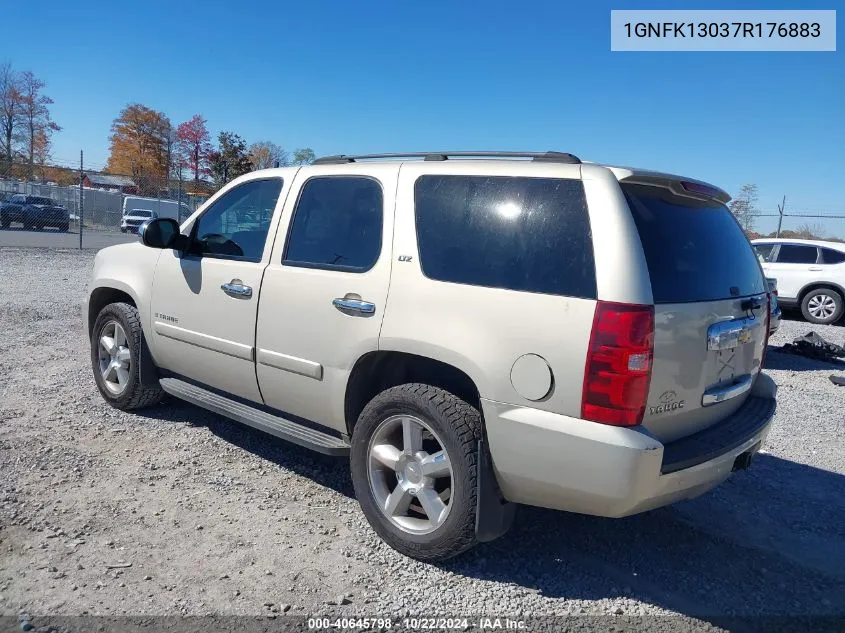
[
  {"x": 303, "y": 156},
  {"x": 229, "y": 160},
  {"x": 744, "y": 206}
]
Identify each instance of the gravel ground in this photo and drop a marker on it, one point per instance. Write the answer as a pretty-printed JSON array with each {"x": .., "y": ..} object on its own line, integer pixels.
[{"x": 177, "y": 511}]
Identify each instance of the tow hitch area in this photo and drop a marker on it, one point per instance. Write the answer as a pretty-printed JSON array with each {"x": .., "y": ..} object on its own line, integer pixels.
[{"x": 743, "y": 460}]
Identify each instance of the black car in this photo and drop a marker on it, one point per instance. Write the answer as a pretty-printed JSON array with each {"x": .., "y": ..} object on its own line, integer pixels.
[{"x": 33, "y": 212}]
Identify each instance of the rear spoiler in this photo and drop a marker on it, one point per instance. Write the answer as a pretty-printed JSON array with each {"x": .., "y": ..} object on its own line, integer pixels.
[{"x": 678, "y": 185}]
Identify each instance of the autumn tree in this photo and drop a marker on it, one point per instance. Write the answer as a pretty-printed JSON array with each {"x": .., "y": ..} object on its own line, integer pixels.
[
  {"x": 744, "y": 206},
  {"x": 193, "y": 146},
  {"x": 303, "y": 156},
  {"x": 37, "y": 123},
  {"x": 10, "y": 113},
  {"x": 810, "y": 231},
  {"x": 139, "y": 143},
  {"x": 265, "y": 154},
  {"x": 229, "y": 160}
]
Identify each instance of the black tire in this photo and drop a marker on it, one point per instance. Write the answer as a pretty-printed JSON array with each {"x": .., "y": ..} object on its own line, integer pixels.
[
  {"x": 64, "y": 228},
  {"x": 4, "y": 223},
  {"x": 39, "y": 227},
  {"x": 135, "y": 395},
  {"x": 459, "y": 426},
  {"x": 819, "y": 294}
]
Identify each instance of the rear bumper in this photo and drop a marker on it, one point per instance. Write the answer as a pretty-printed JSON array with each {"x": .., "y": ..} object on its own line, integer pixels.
[{"x": 565, "y": 463}]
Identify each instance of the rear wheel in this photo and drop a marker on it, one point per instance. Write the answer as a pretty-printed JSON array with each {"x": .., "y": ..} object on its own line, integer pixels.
[
  {"x": 64, "y": 228},
  {"x": 414, "y": 464},
  {"x": 39, "y": 227},
  {"x": 115, "y": 353},
  {"x": 5, "y": 223},
  {"x": 822, "y": 305}
]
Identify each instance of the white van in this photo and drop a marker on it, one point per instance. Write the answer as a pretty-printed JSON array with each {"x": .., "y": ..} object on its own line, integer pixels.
[{"x": 137, "y": 210}]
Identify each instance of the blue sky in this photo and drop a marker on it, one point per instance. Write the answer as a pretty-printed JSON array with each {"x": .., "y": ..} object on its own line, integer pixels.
[{"x": 345, "y": 77}]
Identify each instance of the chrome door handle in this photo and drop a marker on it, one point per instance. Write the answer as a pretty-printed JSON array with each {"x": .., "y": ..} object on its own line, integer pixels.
[
  {"x": 236, "y": 289},
  {"x": 816, "y": 268},
  {"x": 720, "y": 394},
  {"x": 354, "y": 305}
]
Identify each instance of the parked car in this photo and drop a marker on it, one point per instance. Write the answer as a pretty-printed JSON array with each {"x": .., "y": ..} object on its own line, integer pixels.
[
  {"x": 563, "y": 334},
  {"x": 810, "y": 274},
  {"x": 33, "y": 212},
  {"x": 134, "y": 219}
]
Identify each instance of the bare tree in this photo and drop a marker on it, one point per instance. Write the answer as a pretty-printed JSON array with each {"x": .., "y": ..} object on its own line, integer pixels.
[
  {"x": 10, "y": 112},
  {"x": 35, "y": 115},
  {"x": 744, "y": 206},
  {"x": 810, "y": 231},
  {"x": 265, "y": 154}
]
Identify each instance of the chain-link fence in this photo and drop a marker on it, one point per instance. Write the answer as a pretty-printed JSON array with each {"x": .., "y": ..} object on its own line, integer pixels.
[
  {"x": 801, "y": 225},
  {"x": 39, "y": 214}
]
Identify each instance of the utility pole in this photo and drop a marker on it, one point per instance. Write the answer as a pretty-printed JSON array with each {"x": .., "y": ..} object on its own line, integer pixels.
[
  {"x": 179, "y": 212},
  {"x": 81, "y": 198},
  {"x": 780, "y": 215}
]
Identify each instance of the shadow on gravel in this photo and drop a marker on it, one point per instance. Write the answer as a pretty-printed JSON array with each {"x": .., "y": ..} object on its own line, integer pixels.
[
  {"x": 769, "y": 541},
  {"x": 766, "y": 546},
  {"x": 777, "y": 359},
  {"x": 331, "y": 472}
]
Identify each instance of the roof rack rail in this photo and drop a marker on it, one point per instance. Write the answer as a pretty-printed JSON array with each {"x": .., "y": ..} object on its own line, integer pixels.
[{"x": 550, "y": 157}]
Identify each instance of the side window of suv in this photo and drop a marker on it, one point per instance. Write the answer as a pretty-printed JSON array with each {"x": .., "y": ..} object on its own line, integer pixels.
[
  {"x": 337, "y": 224},
  {"x": 236, "y": 225},
  {"x": 797, "y": 254},
  {"x": 830, "y": 256},
  {"x": 528, "y": 234},
  {"x": 764, "y": 251}
]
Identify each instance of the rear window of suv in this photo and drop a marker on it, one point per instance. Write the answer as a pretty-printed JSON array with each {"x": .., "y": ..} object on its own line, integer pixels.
[
  {"x": 694, "y": 249},
  {"x": 528, "y": 234}
]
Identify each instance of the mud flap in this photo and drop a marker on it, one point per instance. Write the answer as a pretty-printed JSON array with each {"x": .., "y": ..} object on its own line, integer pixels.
[
  {"x": 493, "y": 515},
  {"x": 147, "y": 371}
]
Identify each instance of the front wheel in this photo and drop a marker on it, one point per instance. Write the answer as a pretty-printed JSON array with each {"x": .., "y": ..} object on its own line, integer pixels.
[
  {"x": 822, "y": 305},
  {"x": 414, "y": 464},
  {"x": 115, "y": 352}
]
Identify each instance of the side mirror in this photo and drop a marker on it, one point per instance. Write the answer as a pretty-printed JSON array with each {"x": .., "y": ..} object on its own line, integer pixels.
[{"x": 160, "y": 233}]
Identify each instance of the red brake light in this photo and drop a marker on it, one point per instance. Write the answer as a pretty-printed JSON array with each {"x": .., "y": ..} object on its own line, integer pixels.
[
  {"x": 768, "y": 328},
  {"x": 619, "y": 359}
]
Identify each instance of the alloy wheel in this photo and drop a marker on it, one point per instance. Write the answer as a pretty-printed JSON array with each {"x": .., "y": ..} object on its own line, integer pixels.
[
  {"x": 410, "y": 474},
  {"x": 115, "y": 360},
  {"x": 821, "y": 306}
]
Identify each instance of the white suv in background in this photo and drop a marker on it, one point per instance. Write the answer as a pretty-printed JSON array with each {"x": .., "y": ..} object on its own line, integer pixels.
[{"x": 809, "y": 273}]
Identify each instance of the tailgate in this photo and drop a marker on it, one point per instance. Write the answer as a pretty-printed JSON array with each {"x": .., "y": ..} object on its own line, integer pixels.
[{"x": 710, "y": 309}]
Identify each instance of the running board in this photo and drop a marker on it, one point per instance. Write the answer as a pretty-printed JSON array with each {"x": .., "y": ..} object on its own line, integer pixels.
[{"x": 256, "y": 418}]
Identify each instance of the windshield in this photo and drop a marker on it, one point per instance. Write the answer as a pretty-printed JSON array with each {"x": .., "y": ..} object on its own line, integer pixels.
[{"x": 695, "y": 250}]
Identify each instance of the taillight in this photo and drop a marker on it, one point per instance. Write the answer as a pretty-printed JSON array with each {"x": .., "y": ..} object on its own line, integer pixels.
[
  {"x": 768, "y": 327},
  {"x": 619, "y": 359}
]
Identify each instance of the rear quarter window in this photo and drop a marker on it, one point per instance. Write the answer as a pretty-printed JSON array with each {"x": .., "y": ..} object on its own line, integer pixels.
[
  {"x": 830, "y": 256},
  {"x": 797, "y": 254},
  {"x": 694, "y": 249},
  {"x": 525, "y": 234}
]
